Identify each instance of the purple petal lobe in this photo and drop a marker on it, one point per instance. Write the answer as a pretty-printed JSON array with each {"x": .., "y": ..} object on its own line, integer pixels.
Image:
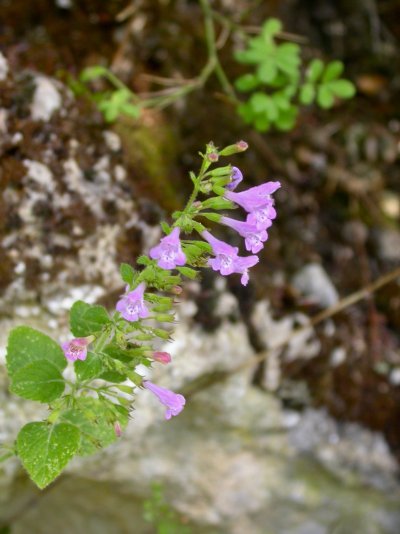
[
  {"x": 169, "y": 252},
  {"x": 132, "y": 306}
]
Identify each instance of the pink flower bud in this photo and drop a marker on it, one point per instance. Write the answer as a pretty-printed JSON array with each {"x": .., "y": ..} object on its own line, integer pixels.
[
  {"x": 162, "y": 357},
  {"x": 177, "y": 290},
  {"x": 118, "y": 430},
  {"x": 242, "y": 146}
]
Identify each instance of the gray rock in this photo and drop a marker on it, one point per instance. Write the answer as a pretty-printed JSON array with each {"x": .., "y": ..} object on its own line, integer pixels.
[{"x": 313, "y": 282}]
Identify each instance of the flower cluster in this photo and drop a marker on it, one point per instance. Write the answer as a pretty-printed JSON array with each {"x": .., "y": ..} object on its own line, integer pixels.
[{"x": 129, "y": 328}]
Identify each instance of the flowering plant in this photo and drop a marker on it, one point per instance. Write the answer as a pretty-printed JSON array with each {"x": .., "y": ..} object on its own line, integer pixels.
[{"x": 90, "y": 411}]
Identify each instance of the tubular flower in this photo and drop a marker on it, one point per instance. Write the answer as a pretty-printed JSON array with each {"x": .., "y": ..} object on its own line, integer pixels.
[
  {"x": 253, "y": 238},
  {"x": 132, "y": 306},
  {"x": 236, "y": 178},
  {"x": 262, "y": 218},
  {"x": 169, "y": 252},
  {"x": 255, "y": 197},
  {"x": 76, "y": 349},
  {"x": 173, "y": 401},
  {"x": 226, "y": 259}
]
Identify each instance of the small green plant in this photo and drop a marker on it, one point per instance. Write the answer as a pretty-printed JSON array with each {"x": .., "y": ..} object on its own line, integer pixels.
[
  {"x": 277, "y": 85},
  {"x": 157, "y": 512}
]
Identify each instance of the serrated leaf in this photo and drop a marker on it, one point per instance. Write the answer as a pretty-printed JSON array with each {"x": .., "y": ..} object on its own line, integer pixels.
[
  {"x": 247, "y": 82},
  {"x": 40, "y": 381},
  {"x": 325, "y": 97},
  {"x": 26, "y": 345},
  {"x": 127, "y": 273},
  {"x": 91, "y": 367},
  {"x": 86, "y": 319},
  {"x": 342, "y": 88},
  {"x": 314, "y": 70},
  {"x": 332, "y": 71},
  {"x": 307, "y": 94},
  {"x": 45, "y": 449}
]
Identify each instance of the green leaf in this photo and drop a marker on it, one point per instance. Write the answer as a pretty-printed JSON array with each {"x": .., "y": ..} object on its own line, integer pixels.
[
  {"x": 307, "y": 94},
  {"x": 86, "y": 319},
  {"x": 45, "y": 449},
  {"x": 342, "y": 88},
  {"x": 188, "y": 272},
  {"x": 332, "y": 71},
  {"x": 246, "y": 112},
  {"x": 259, "y": 102},
  {"x": 130, "y": 110},
  {"x": 39, "y": 380},
  {"x": 26, "y": 345},
  {"x": 267, "y": 71},
  {"x": 261, "y": 123},
  {"x": 127, "y": 273},
  {"x": 287, "y": 119},
  {"x": 271, "y": 27},
  {"x": 113, "y": 376},
  {"x": 91, "y": 73},
  {"x": 314, "y": 70},
  {"x": 91, "y": 367},
  {"x": 94, "y": 419},
  {"x": 247, "y": 82},
  {"x": 325, "y": 97}
]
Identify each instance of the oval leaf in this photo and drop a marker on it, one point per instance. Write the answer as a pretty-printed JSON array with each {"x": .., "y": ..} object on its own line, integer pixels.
[
  {"x": 40, "y": 381},
  {"x": 26, "y": 345},
  {"x": 86, "y": 319},
  {"x": 45, "y": 449}
]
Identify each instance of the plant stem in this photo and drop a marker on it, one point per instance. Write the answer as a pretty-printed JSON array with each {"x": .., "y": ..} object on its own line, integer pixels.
[{"x": 212, "y": 49}]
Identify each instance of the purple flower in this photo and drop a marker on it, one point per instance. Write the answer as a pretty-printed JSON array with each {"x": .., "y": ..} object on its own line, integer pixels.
[
  {"x": 236, "y": 178},
  {"x": 169, "y": 252},
  {"x": 262, "y": 217},
  {"x": 255, "y": 197},
  {"x": 253, "y": 237},
  {"x": 173, "y": 401},
  {"x": 132, "y": 306},
  {"x": 226, "y": 259},
  {"x": 76, "y": 349}
]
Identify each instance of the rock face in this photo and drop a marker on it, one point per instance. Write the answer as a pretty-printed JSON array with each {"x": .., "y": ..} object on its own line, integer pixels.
[{"x": 67, "y": 214}]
